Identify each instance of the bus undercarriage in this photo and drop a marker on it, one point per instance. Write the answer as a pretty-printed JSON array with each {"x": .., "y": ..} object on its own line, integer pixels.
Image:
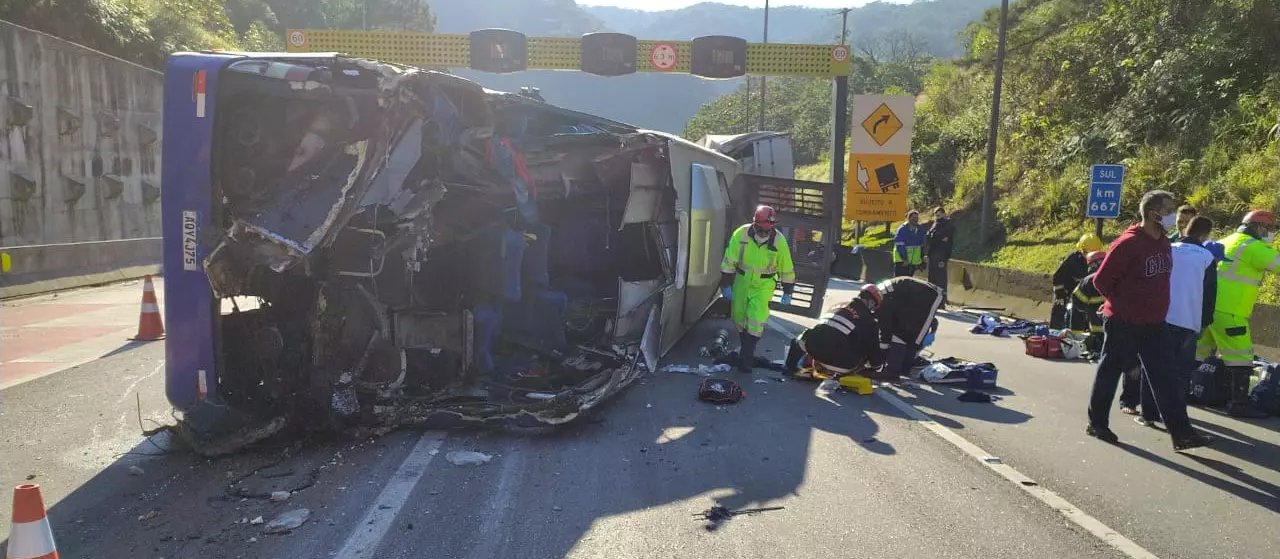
[{"x": 401, "y": 247}]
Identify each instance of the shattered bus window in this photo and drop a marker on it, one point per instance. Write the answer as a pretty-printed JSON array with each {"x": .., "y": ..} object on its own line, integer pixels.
[{"x": 422, "y": 251}]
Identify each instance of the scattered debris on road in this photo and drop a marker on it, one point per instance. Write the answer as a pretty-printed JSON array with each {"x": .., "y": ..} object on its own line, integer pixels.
[
  {"x": 279, "y": 496},
  {"x": 975, "y": 397},
  {"x": 467, "y": 458},
  {"x": 287, "y": 521},
  {"x": 149, "y": 515},
  {"x": 700, "y": 370},
  {"x": 717, "y": 515},
  {"x": 720, "y": 391},
  {"x": 256, "y": 521}
]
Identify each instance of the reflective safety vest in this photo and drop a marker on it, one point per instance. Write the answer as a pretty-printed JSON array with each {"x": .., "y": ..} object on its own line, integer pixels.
[
  {"x": 911, "y": 241},
  {"x": 1241, "y": 274},
  {"x": 744, "y": 256}
]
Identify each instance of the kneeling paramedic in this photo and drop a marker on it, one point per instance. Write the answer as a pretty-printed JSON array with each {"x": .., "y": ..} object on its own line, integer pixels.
[
  {"x": 845, "y": 341},
  {"x": 756, "y": 259},
  {"x": 908, "y": 321}
]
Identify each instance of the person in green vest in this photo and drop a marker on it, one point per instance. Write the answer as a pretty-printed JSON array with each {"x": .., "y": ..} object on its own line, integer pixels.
[
  {"x": 908, "y": 246},
  {"x": 1249, "y": 255},
  {"x": 756, "y": 259}
]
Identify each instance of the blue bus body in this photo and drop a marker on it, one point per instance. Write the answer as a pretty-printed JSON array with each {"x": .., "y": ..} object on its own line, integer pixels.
[{"x": 422, "y": 250}]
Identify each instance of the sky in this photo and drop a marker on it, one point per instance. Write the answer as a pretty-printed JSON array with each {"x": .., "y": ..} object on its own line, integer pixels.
[{"x": 658, "y": 5}]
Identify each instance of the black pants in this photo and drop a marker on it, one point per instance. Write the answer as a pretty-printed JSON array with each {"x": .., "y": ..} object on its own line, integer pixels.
[
  {"x": 898, "y": 359},
  {"x": 903, "y": 269},
  {"x": 1059, "y": 318},
  {"x": 938, "y": 275},
  {"x": 1150, "y": 343}
]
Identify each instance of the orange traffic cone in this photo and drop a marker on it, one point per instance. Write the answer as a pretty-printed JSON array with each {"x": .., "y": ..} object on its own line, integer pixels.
[
  {"x": 150, "y": 326},
  {"x": 30, "y": 537}
]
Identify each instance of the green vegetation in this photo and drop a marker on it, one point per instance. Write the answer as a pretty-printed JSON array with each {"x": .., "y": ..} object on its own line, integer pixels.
[
  {"x": 1185, "y": 93},
  {"x": 146, "y": 31}
]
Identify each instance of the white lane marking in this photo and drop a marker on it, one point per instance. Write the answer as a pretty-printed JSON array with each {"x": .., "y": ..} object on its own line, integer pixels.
[
  {"x": 493, "y": 533},
  {"x": 1049, "y": 498},
  {"x": 1074, "y": 514},
  {"x": 139, "y": 380},
  {"x": 368, "y": 534}
]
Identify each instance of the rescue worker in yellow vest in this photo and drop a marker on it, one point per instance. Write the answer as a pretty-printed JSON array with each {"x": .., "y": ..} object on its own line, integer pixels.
[
  {"x": 756, "y": 259},
  {"x": 1249, "y": 255}
]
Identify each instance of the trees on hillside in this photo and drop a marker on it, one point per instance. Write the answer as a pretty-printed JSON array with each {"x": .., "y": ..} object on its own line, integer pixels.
[
  {"x": 1186, "y": 93},
  {"x": 146, "y": 31}
]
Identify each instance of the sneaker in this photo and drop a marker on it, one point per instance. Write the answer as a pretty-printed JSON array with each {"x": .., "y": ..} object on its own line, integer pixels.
[
  {"x": 1196, "y": 440},
  {"x": 1129, "y": 410},
  {"x": 1102, "y": 433},
  {"x": 1146, "y": 422}
]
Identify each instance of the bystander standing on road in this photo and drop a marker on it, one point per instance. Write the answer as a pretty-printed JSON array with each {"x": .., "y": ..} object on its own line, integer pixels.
[
  {"x": 938, "y": 244},
  {"x": 908, "y": 245},
  {"x": 1134, "y": 278},
  {"x": 1193, "y": 287},
  {"x": 1186, "y": 213}
]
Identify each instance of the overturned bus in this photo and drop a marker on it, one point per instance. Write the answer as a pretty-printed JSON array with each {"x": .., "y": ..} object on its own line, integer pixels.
[{"x": 351, "y": 243}]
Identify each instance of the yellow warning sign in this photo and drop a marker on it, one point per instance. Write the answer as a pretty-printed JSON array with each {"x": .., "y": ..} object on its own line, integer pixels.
[
  {"x": 877, "y": 187},
  {"x": 882, "y": 124}
]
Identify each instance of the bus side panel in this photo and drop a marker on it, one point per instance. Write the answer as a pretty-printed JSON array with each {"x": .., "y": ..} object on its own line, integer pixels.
[{"x": 190, "y": 81}]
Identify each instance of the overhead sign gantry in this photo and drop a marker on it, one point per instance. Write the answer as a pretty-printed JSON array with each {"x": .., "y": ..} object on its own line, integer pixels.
[{"x": 505, "y": 51}]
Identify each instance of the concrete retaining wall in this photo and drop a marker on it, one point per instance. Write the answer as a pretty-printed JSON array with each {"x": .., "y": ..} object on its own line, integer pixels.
[
  {"x": 978, "y": 285},
  {"x": 79, "y": 160},
  {"x": 68, "y": 265}
]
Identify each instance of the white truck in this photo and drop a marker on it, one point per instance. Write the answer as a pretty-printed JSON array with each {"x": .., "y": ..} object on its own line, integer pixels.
[{"x": 759, "y": 153}]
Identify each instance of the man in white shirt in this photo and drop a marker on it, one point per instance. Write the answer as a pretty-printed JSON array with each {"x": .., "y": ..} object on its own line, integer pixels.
[{"x": 1193, "y": 286}]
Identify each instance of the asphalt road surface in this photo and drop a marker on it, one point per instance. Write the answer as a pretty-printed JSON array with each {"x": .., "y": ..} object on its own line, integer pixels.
[{"x": 857, "y": 476}]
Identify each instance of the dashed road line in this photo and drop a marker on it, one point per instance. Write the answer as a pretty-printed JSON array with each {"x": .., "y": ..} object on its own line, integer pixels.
[
  {"x": 1073, "y": 513},
  {"x": 364, "y": 541}
]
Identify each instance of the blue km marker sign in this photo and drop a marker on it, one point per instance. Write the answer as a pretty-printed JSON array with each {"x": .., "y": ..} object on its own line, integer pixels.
[{"x": 1104, "y": 191}]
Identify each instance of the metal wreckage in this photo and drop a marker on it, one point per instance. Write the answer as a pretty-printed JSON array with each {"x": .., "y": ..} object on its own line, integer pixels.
[{"x": 404, "y": 247}]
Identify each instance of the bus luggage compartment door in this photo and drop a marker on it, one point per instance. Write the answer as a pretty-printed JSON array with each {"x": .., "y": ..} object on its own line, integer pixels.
[{"x": 809, "y": 216}]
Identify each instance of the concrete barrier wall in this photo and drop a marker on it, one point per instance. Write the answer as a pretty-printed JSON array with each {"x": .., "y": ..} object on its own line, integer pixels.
[
  {"x": 79, "y": 157},
  {"x": 968, "y": 282},
  {"x": 44, "y": 268}
]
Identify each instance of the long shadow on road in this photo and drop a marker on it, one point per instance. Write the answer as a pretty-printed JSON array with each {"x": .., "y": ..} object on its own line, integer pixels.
[
  {"x": 656, "y": 452},
  {"x": 1249, "y": 488}
]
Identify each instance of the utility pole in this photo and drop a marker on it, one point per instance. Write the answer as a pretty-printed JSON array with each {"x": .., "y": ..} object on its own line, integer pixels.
[
  {"x": 988, "y": 190},
  {"x": 844, "y": 24},
  {"x": 764, "y": 87}
]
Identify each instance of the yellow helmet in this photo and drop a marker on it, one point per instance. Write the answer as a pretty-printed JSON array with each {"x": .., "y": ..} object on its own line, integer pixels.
[{"x": 1089, "y": 243}]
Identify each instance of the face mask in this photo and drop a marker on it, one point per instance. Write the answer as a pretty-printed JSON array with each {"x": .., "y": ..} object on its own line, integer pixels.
[{"x": 1169, "y": 221}]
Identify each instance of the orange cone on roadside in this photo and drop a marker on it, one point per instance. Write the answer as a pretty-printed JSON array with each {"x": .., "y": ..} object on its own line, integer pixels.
[
  {"x": 150, "y": 326},
  {"x": 30, "y": 537}
]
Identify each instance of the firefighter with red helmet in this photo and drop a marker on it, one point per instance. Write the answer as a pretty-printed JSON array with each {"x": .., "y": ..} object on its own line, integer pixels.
[
  {"x": 1250, "y": 254},
  {"x": 756, "y": 259}
]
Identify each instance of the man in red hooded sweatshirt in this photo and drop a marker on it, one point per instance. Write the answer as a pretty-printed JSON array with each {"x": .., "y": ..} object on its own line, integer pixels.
[{"x": 1134, "y": 277}]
